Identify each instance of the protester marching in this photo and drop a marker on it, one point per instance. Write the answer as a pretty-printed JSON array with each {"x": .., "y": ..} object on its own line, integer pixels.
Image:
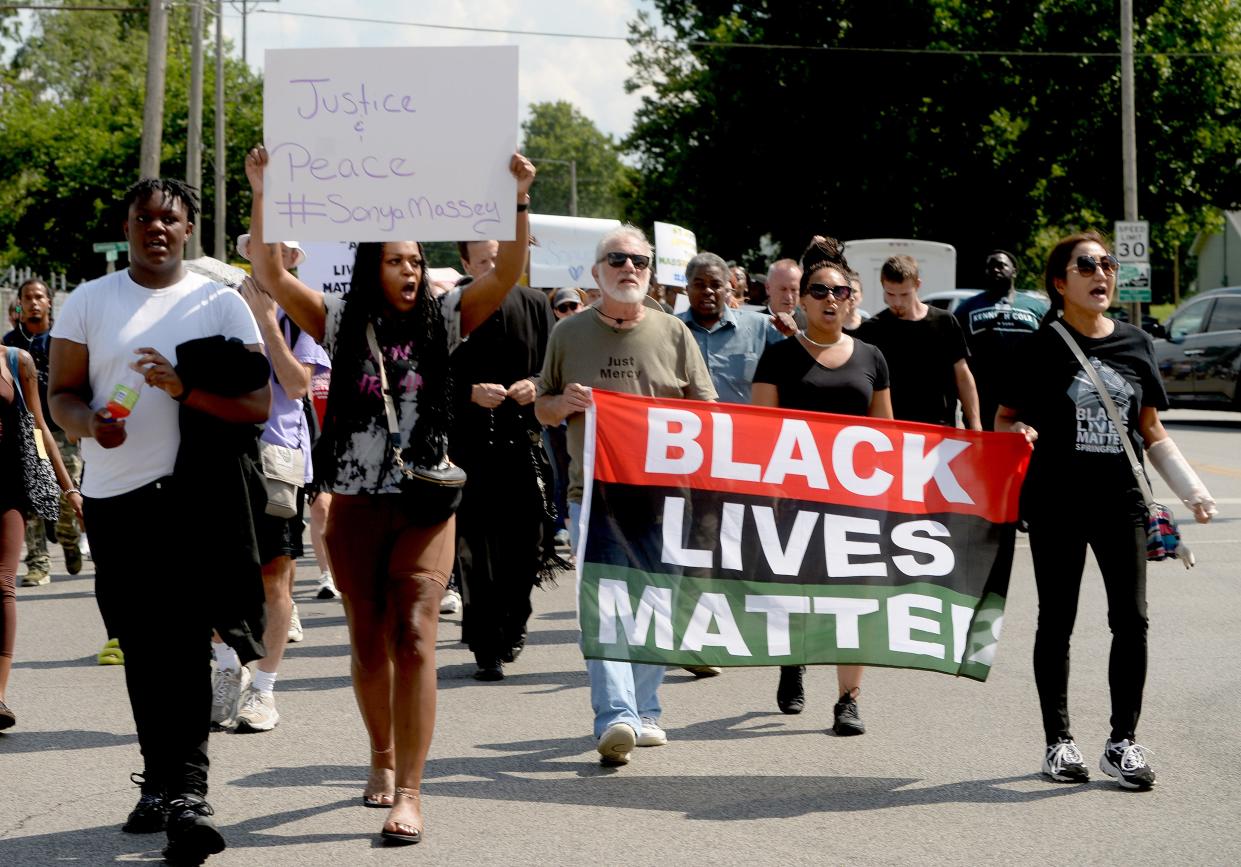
[{"x": 768, "y": 477}]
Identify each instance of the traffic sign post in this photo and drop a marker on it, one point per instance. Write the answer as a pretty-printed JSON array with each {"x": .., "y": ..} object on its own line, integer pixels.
[
  {"x": 1133, "y": 281},
  {"x": 110, "y": 250}
]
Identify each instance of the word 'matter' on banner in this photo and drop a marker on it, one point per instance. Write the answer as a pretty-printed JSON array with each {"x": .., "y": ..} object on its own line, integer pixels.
[
  {"x": 719, "y": 534},
  {"x": 674, "y": 247},
  {"x": 564, "y": 250},
  {"x": 390, "y": 144}
]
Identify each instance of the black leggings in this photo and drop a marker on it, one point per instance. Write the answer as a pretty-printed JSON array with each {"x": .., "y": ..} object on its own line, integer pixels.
[{"x": 1059, "y": 550}]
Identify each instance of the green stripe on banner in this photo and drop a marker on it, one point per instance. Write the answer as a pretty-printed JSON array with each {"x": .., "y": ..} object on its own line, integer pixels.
[{"x": 637, "y": 616}]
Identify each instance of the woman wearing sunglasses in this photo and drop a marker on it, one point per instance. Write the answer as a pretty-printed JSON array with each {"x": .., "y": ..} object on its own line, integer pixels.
[
  {"x": 1080, "y": 492},
  {"x": 822, "y": 369}
]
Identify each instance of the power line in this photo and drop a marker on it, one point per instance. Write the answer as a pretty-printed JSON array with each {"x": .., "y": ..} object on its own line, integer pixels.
[{"x": 762, "y": 46}]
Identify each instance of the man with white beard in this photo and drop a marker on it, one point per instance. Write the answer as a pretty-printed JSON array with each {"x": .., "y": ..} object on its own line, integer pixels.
[{"x": 623, "y": 343}]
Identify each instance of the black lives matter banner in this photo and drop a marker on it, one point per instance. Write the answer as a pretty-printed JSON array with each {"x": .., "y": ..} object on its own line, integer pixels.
[{"x": 731, "y": 535}]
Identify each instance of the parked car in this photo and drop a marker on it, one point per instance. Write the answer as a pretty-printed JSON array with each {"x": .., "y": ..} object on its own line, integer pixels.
[{"x": 1200, "y": 358}]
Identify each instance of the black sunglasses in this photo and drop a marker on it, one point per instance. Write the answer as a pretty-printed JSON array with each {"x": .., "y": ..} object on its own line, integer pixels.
[
  {"x": 617, "y": 260},
  {"x": 819, "y": 291},
  {"x": 1086, "y": 265},
  {"x": 567, "y": 307}
]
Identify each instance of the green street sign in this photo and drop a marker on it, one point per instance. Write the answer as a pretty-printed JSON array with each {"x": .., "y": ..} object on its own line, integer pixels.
[
  {"x": 1133, "y": 282},
  {"x": 110, "y": 255},
  {"x": 115, "y": 246}
]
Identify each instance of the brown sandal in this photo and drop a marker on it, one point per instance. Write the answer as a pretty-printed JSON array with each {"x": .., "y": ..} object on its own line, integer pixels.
[
  {"x": 378, "y": 799},
  {"x": 402, "y": 833}
]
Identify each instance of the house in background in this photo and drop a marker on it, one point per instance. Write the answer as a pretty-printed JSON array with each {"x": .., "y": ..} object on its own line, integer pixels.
[{"x": 1219, "y": 256}]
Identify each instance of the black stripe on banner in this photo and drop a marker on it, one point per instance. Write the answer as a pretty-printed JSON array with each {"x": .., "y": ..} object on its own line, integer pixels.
[{"x": 678, "y": 531}]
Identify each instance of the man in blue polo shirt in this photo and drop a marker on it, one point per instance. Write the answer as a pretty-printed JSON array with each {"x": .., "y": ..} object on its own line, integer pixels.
[{"x": 731, "y": 339}]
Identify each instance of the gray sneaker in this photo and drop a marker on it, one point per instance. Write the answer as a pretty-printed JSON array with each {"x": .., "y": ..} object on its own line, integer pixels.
[
  {"x": 226, "y": 690},
  {"x": 652, "y": 734},
  {"x": 295, "y": 627},
  {"x": 257, "y": 712}
]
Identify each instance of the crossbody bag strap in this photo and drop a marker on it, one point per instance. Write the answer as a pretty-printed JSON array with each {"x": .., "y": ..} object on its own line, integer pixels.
[
  {"x": 394, "y": 430},
  {"x": 1112, "y": 413}
]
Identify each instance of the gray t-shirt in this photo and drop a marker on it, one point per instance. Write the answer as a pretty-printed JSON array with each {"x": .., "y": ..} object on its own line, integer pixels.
[
  {"x": 367, "y": 466},
  {"x": 657, "y": 358}
]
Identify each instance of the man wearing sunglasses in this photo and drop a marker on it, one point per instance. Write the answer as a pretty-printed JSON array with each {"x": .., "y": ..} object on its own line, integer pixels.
[
  {"x": 925, "y": 350},
  {"x": 624, "y": 343},
  {"x": 996, "y": 322}
]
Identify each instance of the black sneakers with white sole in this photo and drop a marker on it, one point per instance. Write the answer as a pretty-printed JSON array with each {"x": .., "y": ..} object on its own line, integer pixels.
[
  {"x": 1126, "y": 762},
  {"x": 1063, "y": 763}
]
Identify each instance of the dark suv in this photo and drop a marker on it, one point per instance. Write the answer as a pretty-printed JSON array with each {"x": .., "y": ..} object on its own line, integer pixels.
[{"x": 1200, "y": 358}]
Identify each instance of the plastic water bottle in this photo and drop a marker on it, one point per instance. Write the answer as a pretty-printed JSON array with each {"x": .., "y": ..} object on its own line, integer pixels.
[{"x": 125, "y": 394}]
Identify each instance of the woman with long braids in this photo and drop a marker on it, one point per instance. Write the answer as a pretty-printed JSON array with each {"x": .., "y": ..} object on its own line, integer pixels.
[{"x": 392, "y": 561}]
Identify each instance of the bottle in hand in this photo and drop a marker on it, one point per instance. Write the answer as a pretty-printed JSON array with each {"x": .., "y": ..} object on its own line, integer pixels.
[{"x": 125, "y": 394}]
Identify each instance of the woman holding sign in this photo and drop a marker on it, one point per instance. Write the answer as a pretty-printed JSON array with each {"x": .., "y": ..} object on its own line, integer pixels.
[
  {"x": 391, "y": 538},
  {"x": 1058, "y": 404},
  {"x": 822, "y": 369}
]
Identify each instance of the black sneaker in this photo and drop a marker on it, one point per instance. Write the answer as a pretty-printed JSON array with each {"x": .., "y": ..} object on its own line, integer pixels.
[
  {"x": 150, "y": 814},
  {"x": 791, "y": 693},
  {"x": 1126, "y": 762},
  {"x": 1063, "y": 762},
  {"x": 847, "y": 720},
  {"x": 489, "y": 669},
  {"x": 513, "y": 652},
  {"x": 192, "y": 835}
]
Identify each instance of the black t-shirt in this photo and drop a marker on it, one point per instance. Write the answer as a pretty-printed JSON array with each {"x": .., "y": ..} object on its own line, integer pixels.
[
  {"x": 803, "y": 383},
  {"x": 920, "y": 354},
  {"x": 995, "y": 327},
  {"x": 39, "y": 347},
  {"x": 1078, "y": 452}
]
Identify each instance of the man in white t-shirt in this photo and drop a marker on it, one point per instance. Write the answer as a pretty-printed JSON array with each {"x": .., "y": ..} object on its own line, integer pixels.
[{"x": 126, "y": 327}]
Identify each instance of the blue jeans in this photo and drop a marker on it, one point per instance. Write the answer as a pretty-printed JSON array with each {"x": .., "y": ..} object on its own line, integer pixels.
[{"x": 620, "y": 692}]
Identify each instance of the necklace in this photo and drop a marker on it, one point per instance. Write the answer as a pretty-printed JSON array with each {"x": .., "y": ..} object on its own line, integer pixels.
[
  {"x": 812, "y": 342},
  {"x": 618, "y": 320}
]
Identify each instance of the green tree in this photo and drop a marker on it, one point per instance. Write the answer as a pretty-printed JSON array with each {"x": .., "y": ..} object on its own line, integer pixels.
[
  {"x": 978, "y": 150},
  {"x": 71, "y": 101},
  {"x": 557, "y": 133}
]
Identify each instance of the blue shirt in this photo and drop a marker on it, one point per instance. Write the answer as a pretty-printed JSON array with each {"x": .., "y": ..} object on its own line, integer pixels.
[{"x": 732, "y": 348}]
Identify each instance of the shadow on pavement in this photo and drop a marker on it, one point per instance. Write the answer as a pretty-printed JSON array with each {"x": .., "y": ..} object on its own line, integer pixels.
[
  {"x": 1205, "y": 424},
  {"x": 21, "y": 741},
  {"x": 59, "y": 663},
  {"x": 318, "y": 652},
  {"x": 30, "y": 594}
]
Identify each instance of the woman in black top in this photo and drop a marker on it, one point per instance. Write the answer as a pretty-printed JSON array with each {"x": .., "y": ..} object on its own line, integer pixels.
[
  {"x": 1080, "y": 492},
  {"x": 822, "y": 369}
]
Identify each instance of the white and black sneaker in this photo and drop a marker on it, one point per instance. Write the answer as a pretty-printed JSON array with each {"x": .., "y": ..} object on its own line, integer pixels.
[
  {"x": 1063, "y": 762},
  {"x": 1125, "y": 761}
]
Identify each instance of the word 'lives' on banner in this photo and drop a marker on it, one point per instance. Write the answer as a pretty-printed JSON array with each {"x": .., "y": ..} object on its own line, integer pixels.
[{"x": 718, "y": 534}]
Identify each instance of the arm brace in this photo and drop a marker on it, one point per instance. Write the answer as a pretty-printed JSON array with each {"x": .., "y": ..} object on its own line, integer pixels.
[{"x": 1168, "y": 461}]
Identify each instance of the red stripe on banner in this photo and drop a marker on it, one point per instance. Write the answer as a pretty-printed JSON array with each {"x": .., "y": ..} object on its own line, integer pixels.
[{"x": 894, "y": 466}]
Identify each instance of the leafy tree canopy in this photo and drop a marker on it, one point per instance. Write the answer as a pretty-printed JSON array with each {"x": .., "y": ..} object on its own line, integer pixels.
[
  {"x": 556, "y": 133},
  {"x": 978, "y": 150},
  {"x": 71, "y": 99}
]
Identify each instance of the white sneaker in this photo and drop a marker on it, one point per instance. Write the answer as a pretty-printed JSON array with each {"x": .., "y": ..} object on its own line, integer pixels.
[
  {"x": 451, "y": 603},
  {"x": 226, "y": 689},
  {"x": 295, "y": 626},
  {"x": 257, "y": 712},
  {"x": 652, "y": 734},
  {"x": 616, "y": 744},
  {"x": 327, "y": 587}
]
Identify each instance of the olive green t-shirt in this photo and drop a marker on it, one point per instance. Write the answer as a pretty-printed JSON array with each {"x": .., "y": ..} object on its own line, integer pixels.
[{"x": 657, "y": 358}]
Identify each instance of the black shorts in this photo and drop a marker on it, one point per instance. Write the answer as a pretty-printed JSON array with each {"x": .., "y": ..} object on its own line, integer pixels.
[{"x": 281, "y": 537}]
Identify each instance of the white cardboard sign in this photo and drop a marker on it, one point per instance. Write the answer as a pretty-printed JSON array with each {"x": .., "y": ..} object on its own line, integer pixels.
[
  {"x": 329, "y": 266},
  {"x": 674, "y": 247},
  {"x": 565, "y": 251},
  {"x": 390, "y": 144}
]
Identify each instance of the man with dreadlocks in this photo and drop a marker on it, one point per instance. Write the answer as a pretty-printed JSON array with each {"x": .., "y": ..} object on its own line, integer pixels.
[
  {"x": 392, "y": 554},
  {"x": 135, "y": 320}
]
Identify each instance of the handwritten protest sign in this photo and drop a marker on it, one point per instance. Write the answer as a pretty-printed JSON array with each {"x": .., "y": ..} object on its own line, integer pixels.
[
  {"x": 565, "y": 251},
  {"x": 380, "y": 144},
  {"x": 328, "y": 266},
  {"x": 674, "y": 247}
]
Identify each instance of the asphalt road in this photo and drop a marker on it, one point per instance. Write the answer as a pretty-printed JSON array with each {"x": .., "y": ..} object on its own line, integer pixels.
[{"x": 947, "y": 773}]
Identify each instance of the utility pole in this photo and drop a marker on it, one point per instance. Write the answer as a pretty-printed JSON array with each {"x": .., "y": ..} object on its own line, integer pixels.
[
  {"x": 220, "y": 250},
  {"x": 194, "y": 145},
  {"x": 572, "y": 188},
  {"x": 153, "y": 107},
  {"x": 245, "y": 7},
  {"x": 1128, "y": 130}
]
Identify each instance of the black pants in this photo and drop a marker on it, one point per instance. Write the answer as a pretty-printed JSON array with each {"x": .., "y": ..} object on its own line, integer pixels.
[
  {"x": 1059, "y": 550},
  {"x": 499, "y": 546},
  {"x": 161, "y": 619}
]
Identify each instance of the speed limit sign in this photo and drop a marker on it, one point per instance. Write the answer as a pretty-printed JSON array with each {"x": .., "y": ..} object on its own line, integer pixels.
[{"x": 1133, "y": 241}]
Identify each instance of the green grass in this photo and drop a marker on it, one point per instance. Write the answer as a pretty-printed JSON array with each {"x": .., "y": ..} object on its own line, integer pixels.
[{"x": 1162, "y": 311}]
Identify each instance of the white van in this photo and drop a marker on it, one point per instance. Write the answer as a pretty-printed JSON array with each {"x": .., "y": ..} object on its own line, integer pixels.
[{"x": 937, "y": 265}]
